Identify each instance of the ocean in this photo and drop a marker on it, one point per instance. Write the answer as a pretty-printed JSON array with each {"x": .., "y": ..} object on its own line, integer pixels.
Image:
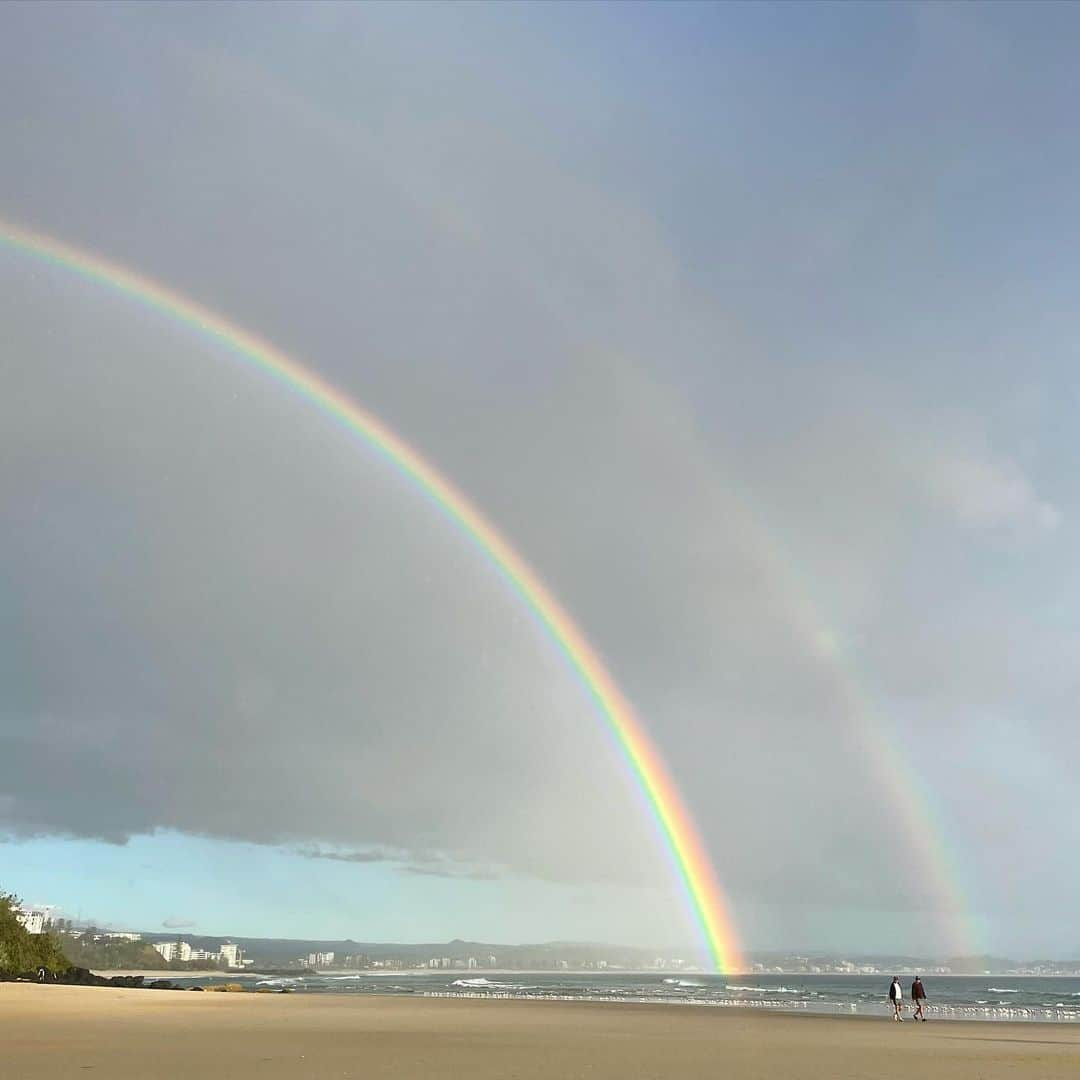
[{"x": 950, "y": 997}]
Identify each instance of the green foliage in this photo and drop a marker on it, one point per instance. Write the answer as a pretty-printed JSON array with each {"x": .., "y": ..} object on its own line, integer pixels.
[{"x": 22, "y": 952}]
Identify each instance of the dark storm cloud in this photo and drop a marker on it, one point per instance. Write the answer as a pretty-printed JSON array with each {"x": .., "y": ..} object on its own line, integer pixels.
[{"x": 760, "y": 461}]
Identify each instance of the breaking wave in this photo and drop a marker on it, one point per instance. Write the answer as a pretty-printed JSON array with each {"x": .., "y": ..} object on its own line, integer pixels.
[{"x": 481, "y": 984}]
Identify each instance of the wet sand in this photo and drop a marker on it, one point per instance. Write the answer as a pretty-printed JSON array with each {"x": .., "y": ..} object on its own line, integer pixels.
[{"x": 58, "y": 1031}]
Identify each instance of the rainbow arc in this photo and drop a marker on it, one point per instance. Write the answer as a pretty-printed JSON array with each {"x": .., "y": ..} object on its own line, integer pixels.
[{"x": 688, "y": 855}]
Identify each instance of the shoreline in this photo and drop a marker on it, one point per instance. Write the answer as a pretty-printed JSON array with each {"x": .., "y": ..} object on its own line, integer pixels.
[
  {"x": 941, "y": 1014},
  {"x": 1025, "y": 1015},
  {"x": 752, "y": 1008},
  {"x": 480, "y": 973}
]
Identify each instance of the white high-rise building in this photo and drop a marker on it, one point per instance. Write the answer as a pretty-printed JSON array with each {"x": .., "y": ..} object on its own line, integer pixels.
[
  {"x": 174, "y": 950},
  {"x": 471, "y": 963},
  {"x": 231, "y": 955},
  {"x": 32, "y": 919}
]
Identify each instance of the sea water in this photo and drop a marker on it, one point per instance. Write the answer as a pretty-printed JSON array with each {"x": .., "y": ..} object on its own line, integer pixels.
[{"x": 950, "y": 997}]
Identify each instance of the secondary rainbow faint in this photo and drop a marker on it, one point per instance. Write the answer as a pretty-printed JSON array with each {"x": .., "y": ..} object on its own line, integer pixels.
[{"x": 690, "y": 859}]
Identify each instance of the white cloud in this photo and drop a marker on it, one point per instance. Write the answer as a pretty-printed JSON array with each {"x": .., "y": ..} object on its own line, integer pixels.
[{"x": 988, "y": 493}]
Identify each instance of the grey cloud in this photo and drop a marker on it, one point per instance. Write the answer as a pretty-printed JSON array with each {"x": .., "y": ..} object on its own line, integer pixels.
[
  {"x": 433, "y": 864},
  {"x": 448, "y": 872},
  {"x": 178, "y": 922},
  {"x": 312, "y": 852},
  {"x": 694, "y": 414}
]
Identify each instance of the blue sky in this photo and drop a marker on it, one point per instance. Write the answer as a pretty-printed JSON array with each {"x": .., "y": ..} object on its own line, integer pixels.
[
  {"x": 750, "y": 325},
  {"x": 216, "y": 888}
]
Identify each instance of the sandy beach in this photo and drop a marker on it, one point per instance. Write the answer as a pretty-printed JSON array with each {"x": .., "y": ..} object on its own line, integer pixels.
[{"x": 75, "y": 1031}]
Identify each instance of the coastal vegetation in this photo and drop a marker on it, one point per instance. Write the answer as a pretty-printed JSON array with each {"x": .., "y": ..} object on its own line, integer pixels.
[
  {"x": 20, "y": 951},
  {"x": 91, "y": 949}
]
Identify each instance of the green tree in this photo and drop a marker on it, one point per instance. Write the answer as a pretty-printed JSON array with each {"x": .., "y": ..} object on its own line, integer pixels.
[
  {"x": 91, "y": 949},
  {"x": 21, "y": 952}
]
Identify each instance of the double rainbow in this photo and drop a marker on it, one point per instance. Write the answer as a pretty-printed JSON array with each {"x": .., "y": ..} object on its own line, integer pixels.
[{"x": 690, "y": 860}]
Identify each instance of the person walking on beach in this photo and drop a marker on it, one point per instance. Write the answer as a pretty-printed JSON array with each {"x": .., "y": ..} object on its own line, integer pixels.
[
  {"x": 896, "y": 996},
  {"x": 918, "y": 996}
]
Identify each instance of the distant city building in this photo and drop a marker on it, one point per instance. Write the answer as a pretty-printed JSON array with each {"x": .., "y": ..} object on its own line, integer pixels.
[
  {"x": 32, "y": 919},
  {"x": 232, "y": 955},
  {"x": 320, "y": 959},
  {"x": 122, "y": 935},
  {"x": 446, "y": 962},
  {"x": 471, "y": 962},
  {"x": 492, "y": 962},
  {"x": 174, "y": 950}
]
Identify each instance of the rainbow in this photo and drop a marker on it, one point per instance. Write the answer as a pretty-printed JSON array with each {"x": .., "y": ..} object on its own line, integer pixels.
[
  {"x": 935, "y": 862},
  {"x": 687, "y": 852}
]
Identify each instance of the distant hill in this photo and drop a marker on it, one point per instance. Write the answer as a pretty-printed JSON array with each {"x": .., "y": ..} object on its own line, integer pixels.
[
  {"x": 277, "y": 953},
  {"x": 21, "y": 952}
]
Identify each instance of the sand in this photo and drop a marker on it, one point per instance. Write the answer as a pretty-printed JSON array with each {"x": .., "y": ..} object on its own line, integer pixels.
[{"x": 58, "y": 1031}]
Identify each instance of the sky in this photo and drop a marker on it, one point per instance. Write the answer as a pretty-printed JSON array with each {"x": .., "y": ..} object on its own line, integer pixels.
[{"x": 752, "y": 327}]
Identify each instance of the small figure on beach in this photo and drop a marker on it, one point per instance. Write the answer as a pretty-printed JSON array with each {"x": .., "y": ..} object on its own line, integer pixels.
[
  {"x": 896, "y": 996},
  {"x": 918, "y": 996}
]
